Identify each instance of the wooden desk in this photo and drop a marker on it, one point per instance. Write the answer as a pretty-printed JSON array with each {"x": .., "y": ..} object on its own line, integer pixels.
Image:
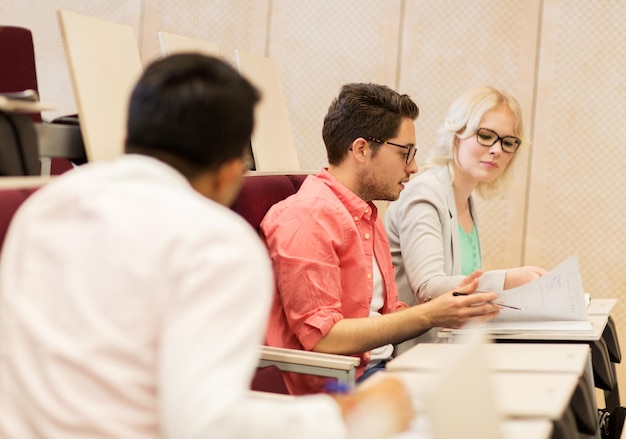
[
  {"x": 511, "y": 429},
  {"x": 605, "y": 350},
  {"x": 601, "y": 306},
  {"x": 518, "y": 357},
  {"x": 604, "y": 307},
  {"x": 540, "y": 396},
  {"x": 598, "y": 323},
  {"x": 527, "y": 357},
  {"x": 526, "y": 429},
  {"x": 603, "y": 369}
]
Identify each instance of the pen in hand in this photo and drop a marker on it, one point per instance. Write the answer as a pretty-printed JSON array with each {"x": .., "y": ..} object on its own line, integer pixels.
[{"x": 456, "y": 293}]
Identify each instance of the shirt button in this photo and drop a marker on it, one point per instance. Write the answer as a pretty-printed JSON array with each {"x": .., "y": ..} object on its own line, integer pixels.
[
  {"x": 356, "y": 218},
  {"x": 367, "y": 236},
  {"x": 369, "y": 275},
  {"x": 367, "y": 210},
  {"x": 367, "y": 356}
]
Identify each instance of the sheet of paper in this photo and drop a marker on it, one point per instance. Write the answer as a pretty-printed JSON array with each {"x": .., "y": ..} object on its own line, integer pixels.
[
  {"x": 553, "y": 303},
  {"x": 556, "y": 296}
]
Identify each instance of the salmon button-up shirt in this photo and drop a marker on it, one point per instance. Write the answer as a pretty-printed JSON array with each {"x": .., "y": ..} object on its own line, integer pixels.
[{"x": 322, "y": 241}]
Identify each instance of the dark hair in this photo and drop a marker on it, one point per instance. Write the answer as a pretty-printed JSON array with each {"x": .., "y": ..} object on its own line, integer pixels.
[
  {"x": 192, "y": 111},
  {"x": 364, "y": 110}
]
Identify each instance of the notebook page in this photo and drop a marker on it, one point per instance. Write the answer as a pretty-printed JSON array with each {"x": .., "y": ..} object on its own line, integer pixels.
[{"x": 556, "y": 296}]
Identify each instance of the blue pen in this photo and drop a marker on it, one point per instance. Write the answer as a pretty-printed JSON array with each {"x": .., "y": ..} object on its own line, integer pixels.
[{"x": 332, "y": 386}]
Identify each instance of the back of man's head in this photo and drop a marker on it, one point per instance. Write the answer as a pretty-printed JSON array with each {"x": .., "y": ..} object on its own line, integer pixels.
[
  {"x": 364, "y": 110},
  {"x": 194, "y": 111}
]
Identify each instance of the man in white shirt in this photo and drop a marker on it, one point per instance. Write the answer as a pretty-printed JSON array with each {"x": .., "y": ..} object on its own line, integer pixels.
[{"x": 132, "y": 301}]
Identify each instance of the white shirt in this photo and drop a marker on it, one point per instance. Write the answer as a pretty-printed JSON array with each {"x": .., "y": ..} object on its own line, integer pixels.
[
  {"x": 132, "y": 307},
  {"x": 378, "y": 300}
]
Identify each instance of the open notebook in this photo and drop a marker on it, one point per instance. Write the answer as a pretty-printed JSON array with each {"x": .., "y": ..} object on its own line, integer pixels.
[{"x": 554, "y": 302}]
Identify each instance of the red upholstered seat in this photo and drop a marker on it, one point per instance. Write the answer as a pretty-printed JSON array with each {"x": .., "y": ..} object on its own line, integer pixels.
[
  {"x": 269, "y": 379},
  {"x": 10, "y": 200},
  {"x": 17, "y": 56},
  {"x": 257, "y": 195},
  {"x": 260, "y": 192}
]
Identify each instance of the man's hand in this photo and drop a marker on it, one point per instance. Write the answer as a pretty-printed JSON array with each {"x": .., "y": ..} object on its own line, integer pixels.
[
  {"x": 379, "y": 408},
  {"x": 450, "y": 311}
]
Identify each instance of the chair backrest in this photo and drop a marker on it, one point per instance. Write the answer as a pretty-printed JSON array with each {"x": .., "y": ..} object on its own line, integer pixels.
[
  {"x": 17, "y": 58},
  {"x": 257, "y": 195},
  {"x": 260, "y": 192},
  {"x": 19, "y": 72}
]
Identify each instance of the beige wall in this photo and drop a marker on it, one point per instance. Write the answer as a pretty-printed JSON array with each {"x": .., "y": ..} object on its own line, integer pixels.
[{"x": 563, "y": 59}]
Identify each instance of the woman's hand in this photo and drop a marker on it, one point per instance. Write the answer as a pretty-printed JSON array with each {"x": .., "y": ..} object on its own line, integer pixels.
[{"x": 516, "y": 277}]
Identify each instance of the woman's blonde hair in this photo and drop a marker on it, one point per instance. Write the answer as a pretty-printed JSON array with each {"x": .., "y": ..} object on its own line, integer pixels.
[{"x": 461, "y": 122}]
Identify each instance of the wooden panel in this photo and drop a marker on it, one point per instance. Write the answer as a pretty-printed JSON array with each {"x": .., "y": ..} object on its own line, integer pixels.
[
  {"x": 321, "y": 45},
  {"x": 272, "y": 142},
  {"x": 448, "y": 47},
  {"x": 173, "y": 43},
  {"x": 232, "y": 25},
  {"x": 104, "y": 64},
  {"x": 577, "y": 174},
  {"x": 577, "y": 164}
]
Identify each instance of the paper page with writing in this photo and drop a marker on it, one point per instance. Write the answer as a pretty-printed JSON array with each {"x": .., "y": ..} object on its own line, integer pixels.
[{"x": 553, "y": 302}]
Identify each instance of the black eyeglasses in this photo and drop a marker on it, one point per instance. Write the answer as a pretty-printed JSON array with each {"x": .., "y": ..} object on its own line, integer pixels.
[
  {"x": 410, "y": 149},
  {"x": 487, "y": 137}
]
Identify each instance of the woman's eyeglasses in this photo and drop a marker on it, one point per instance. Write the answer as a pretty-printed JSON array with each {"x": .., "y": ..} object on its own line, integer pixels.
[{"x": 487, "y": 137}]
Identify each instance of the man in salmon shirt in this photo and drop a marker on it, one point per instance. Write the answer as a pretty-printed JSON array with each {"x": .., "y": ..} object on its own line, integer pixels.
[{"x": 335, "y": 288}]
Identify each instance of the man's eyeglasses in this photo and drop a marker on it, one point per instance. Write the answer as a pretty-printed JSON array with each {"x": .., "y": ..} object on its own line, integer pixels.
[
  {"x": 410, "y": 149},
  {"x": 487, "y": 137}
]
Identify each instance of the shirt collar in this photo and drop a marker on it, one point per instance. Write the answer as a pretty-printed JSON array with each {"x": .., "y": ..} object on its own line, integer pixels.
[
  {"x": 355, "y": 205},
  {"x": 143, "y": 164}
]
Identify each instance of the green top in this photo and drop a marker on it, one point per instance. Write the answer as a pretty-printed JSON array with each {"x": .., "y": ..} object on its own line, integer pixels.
[{"x": 470, "y": 250}]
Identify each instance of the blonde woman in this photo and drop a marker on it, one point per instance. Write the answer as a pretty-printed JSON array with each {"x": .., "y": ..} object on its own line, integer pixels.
[{"x": 432, "y": 227}]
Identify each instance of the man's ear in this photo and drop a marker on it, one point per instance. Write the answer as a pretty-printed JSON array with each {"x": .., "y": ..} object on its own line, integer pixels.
[
  {"x": 221, "y": 185},
  {"x": 228, "y": 180},
  {"x": 360, "y": 149}
]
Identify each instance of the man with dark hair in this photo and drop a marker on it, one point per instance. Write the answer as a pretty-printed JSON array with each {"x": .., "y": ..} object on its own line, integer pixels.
[
  {"x": 336, "y": 291},
  {"x": 133, "y": 301}
]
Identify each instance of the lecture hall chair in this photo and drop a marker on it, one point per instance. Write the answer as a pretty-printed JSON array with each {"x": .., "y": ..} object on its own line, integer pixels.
[
  {"x": 19, "y": 73},
  {"x": 258, "y": 193}
]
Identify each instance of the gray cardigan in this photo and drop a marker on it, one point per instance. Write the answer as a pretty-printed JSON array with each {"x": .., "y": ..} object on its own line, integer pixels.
[{"x": 422, "y": 227}]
